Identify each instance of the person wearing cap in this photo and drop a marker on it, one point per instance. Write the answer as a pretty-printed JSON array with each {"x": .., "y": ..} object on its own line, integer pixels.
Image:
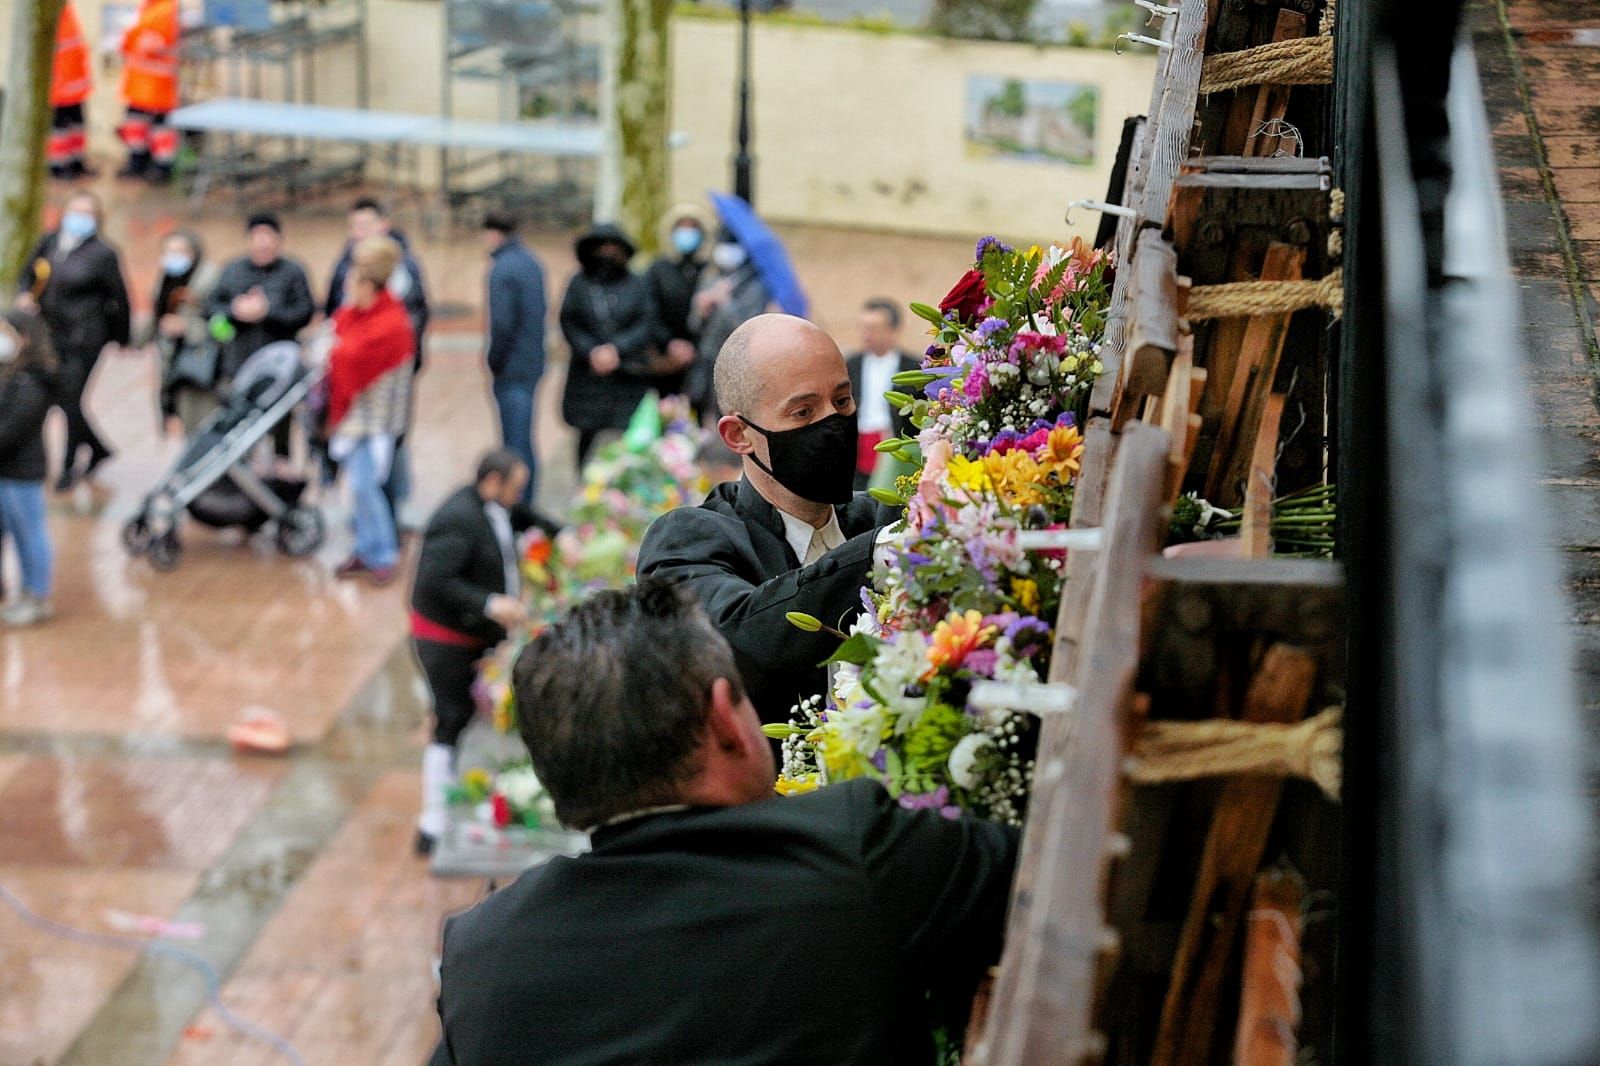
[
  {"x": 263, "y": 296},
  {"x": 609, "y": 328},
  {"x": 517, "y": 306}
]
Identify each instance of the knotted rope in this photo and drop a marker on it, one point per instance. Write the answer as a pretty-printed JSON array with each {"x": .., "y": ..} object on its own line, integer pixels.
[
  {"x": 1245, "y": 299},
  {"x": 1303, "y": 61},
  {"x": 1184, "y": 751}
]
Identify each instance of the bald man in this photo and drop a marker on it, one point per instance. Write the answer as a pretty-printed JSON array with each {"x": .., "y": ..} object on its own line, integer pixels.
[{"x": 791, "y": 534}]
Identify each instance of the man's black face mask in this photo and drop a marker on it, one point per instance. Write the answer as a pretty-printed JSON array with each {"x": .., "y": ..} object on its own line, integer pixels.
[{"x": 815, "y": 462}]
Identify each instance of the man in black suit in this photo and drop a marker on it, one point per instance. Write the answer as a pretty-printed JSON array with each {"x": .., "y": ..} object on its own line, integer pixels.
[
  {"x": 712, "y": 921},
  {"x": 791, "y": 536},
  {"x": 465, "y": 598},
  {"x": 872, "y": 372}
]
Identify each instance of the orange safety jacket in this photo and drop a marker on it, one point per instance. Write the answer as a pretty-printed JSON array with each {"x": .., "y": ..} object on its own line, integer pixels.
[
  {"x": 69, "y": 75},
  {"x": 150, "y": 58}
]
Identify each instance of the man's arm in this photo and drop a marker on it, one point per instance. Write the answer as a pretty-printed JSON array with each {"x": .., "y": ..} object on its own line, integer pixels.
[
  {"x": 119, "y": 312},
  {"x": 524, "y": 518},
  {"x": 295, "y": 313},
  {"x": 575, "y": 321},
  {"x": 504, "y": 317},
  {"x": 940, "y": 886},
  {"x": 441, "y": 570},
  {"x": 689, "y": 546}
]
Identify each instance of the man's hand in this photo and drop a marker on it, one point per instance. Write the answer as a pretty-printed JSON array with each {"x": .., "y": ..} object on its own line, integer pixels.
[
  {"x": 506, "y": 611},
  {"x": 250, "y": 306},
  {"x": 714, "y": 296},
  {"x": 26, "y": 303},
  {"x": 605, "y": 359},
  {"x": 680, "y": 353},
  {"x": 172, "y": 326}
]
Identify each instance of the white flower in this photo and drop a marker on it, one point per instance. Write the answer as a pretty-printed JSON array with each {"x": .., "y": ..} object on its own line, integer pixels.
[
  {"x": 520, "y": 786},
  {"x": 860, "y": 727},
  {"x": 964, "y": 759}
]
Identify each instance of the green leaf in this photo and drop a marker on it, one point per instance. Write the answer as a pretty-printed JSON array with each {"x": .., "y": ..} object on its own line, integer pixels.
[
  {"x": 930, "y": 314},
  {"x": 858, "y": 649}
]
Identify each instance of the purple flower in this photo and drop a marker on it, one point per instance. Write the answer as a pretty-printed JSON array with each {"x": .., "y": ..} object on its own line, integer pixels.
[
  {"x": 981, "y": 662},
  {"x": 932, "y": 350},
  {"x": 938, "y": 384},
  {"x": 950, "y": 811},
  {"x": 991, "y": 242},
  {"x": 976, "y": 383},
  {"x": 990, "y": 326},
  {"x": 922, "y": 801},
  {"x": 880, "y": 759},
  {"x": 910, "y": 560}
]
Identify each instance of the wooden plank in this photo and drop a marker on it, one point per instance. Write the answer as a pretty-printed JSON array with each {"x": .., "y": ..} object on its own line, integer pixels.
[
  {"x": 1269, "y": 998},
  {"x": 1152, "y": 333},
  {"x": 1254, "y": 370},
  {"x": 1172, "y": 119},
  {"x": 1190, "y": 1016},
  {"x": 1255, "y": 105},
  {"x": 1256, "y": 529},
  {"x": 1041, "y": 1010}
]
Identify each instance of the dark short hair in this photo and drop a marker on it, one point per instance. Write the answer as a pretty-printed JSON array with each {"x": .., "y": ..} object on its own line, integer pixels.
[
  {"x": 890, "y": 311},
  {"x": 268, "y": 219},
  {"x": 368, "y": 203},
  {"x": 500, "y": 222},
  {"x": 612, "y": 699},
  {"x": 501, "y": 461},
  {"x": 37, "y": 351}
]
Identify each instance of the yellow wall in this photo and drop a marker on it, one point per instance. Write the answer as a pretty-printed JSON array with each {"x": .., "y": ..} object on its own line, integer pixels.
[{"x": 861, "y": 129}]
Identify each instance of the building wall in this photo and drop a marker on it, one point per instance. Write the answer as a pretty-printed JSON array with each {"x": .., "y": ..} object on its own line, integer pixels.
[{"x": 857, "y": 128}]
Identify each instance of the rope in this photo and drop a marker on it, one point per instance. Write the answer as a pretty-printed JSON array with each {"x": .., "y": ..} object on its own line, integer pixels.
[
  {"x": 1302, "y": 61},
  {"x": 1184, "y": 751},
  {"x": 1246, "y": 299},
  {"x": 1336, "y": 216},
  {"x": 1329, "y": 17}
]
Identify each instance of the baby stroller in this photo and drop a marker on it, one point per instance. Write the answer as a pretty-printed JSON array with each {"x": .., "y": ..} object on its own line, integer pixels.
[{"x": 213, "y": 478}]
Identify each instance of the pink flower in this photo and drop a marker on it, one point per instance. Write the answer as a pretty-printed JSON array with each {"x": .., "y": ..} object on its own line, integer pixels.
[
  {"x": 926, "y": 505},
  {"x": 976, "y": 383}
]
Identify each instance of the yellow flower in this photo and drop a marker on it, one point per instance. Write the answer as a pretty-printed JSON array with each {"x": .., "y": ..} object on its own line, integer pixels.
[
  {"x": 969, "y": 475},
  {"x": 1065, "y": 447},
  {"x": 798, "y": 786},
  {"x": 1015, "y": 476},
  {"x": 956, "y": 637},
  {"x": 1026, "y": 592}
]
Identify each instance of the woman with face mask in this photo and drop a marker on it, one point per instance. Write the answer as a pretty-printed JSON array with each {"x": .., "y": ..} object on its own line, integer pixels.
[
  {"x": 27, "y": 389},
  {"x": 180, "y": 333},
  {"x": 730, "y": 293},
  {"x": 685, "y": 241},
  {"x": 74, "y": 280},
  {"x": 607, "y": 320}
]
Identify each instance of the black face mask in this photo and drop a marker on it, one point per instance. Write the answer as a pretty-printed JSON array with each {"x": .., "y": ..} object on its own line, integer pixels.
[{"x": 815, "y": 462}]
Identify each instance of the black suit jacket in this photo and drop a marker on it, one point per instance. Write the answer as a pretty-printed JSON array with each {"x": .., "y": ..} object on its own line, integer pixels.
[
  {"x": 460, "y": 565},
  {"x": 902, "y": 425},
  {"x": 83, "y": 301},
  {"x": 732, "y": 553},
  {"x": 805, "y": 930}
]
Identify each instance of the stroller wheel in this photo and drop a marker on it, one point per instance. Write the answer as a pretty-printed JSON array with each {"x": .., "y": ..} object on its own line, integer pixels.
[
  {"x": 136, "y": 536},
  {"x": 165, "y": 551},
  {"x": 300, "y": 531}
]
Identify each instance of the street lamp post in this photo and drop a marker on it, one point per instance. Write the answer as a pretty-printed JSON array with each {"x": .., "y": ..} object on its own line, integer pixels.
[{"x": 743, "y": 186}]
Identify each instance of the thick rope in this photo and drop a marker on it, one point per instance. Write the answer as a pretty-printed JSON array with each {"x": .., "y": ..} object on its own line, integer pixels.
[
  {"x": 1246, "y": 299},
  {"x": 1185, "y": 751},
  {"x": 1302, "y": 61}
]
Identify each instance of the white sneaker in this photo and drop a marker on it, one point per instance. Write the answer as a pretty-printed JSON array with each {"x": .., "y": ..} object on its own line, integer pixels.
[{"x": 28, "y": 611}]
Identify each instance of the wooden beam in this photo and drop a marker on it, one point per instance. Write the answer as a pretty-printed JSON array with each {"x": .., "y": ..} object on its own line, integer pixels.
[
  {"x": 1269, "y": 999},
  {"x": 1278, "y": 692}
]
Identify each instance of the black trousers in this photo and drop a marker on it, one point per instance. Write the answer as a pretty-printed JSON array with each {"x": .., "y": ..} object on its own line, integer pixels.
[
  {"x": 76, "y": 369},
  {"x": 450, "y": 670}
]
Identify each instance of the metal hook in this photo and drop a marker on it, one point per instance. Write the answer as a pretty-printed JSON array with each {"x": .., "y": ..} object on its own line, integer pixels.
[
  {"x": 1102, "y": 207},
  {"x": 1139, "y": 38},
  {"x": 1160, "y": 11}
]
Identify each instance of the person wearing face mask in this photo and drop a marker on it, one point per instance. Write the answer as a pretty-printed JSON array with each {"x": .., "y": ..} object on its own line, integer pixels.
[
  {"x": 27, "y": 368},
  {"x": 730, "y": 293},
  {"x": 74, "y": 280},
  {"x": 609, "y": 328},
  {"x": 180, "y": 333},
  {"x": 685, "y": 250},
  {"x": 792, "y": 535}
]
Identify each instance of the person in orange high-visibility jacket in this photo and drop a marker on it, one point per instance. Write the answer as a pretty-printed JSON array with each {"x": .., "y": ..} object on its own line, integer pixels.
[
  {"x": 150, "y": 90},
  {"x": 69, "y": 88}
]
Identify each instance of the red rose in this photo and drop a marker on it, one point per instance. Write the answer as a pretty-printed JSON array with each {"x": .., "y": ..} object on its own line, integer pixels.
[
  {"x": 500, "y": 808},
  {"x": 967, "y": 297}
]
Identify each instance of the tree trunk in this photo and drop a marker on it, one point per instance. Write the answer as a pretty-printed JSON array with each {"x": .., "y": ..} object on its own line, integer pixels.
[
  {"x": 638, "y": 116},
  {"x": 24, "y": 128}
]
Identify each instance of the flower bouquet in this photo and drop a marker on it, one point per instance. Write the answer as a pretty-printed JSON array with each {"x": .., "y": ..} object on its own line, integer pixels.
[{"x": 956, "y": 600}]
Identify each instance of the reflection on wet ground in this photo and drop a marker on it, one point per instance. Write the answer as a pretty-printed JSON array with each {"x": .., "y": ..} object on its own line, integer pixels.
[{"x": 119, "y": 796}]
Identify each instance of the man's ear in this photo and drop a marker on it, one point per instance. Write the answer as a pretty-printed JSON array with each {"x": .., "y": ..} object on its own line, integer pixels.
[
  {"x": 725, "y": 725},
  {"x": 735, "y": 434}
]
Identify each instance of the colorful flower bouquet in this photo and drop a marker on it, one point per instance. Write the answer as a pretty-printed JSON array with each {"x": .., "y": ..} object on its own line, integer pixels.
[{"x": 956, "y": 599}]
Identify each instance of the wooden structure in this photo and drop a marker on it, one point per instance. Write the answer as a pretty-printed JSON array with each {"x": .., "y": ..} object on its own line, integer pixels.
[{"x": 1193, "y": 786}]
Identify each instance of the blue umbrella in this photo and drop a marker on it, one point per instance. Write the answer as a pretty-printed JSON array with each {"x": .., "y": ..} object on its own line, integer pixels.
[{"x": 765, "y": 251}]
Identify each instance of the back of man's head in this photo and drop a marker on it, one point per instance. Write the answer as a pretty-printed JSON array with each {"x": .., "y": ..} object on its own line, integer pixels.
[
  {"x": 501, "y": 461},
  {"x": 612, "y": 700}
]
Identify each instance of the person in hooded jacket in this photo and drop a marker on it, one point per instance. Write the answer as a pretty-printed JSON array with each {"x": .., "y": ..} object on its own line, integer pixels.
[
  {"x": 179, "y": 331},
  {"x": 607, "y": 319},
  {"x": 730, "y": 293},
  {"x": 673, "y": 278},
  {"x": 74, "y": 280},
  {"x": 27, "y": 368}
]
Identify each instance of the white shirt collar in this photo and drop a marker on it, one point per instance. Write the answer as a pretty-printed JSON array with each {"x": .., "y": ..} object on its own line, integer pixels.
[{"x": 798, "y": 532}]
